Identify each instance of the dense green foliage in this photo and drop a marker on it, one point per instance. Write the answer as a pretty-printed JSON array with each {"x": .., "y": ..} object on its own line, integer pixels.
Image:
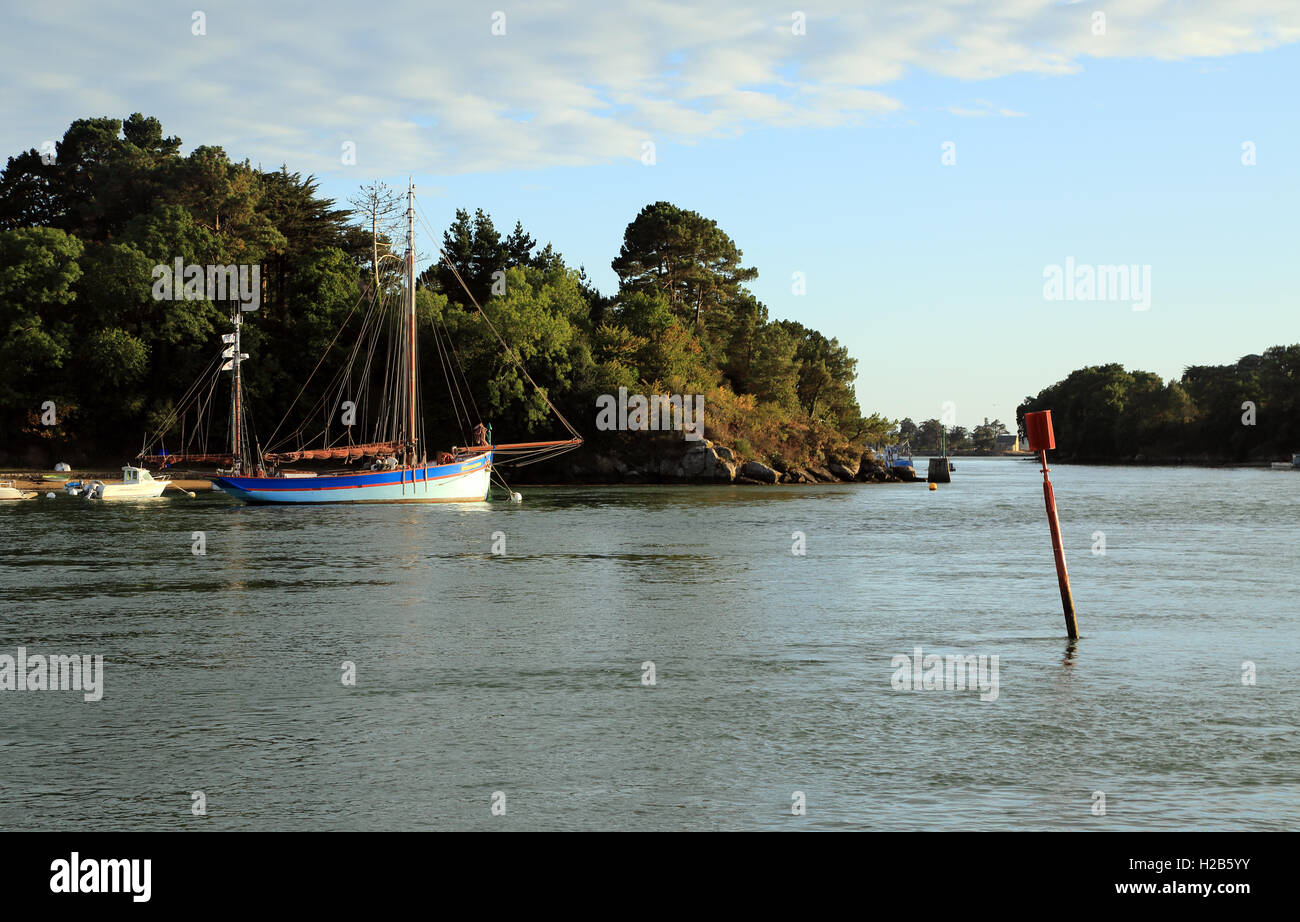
[
  {"x": 1249, "y": 410},
  {"x": 81, "y": 232}
]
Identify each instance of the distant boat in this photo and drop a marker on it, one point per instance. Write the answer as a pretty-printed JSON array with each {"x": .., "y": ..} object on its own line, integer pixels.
[
  {"x": 898, "y": 458},
  {"x": 1284, "y": 466},
  {"x": 136, "y": 483}
]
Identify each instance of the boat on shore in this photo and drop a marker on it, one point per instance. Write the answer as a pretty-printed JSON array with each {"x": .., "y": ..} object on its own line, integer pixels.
[
  {"x": 9, "y": 491},
  {"x": 898, "y": 459}
]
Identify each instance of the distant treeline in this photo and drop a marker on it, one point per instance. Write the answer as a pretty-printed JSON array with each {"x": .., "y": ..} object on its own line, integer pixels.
[
  {"x": 1247, "y": 411},
  {"x": 81, "y": 231},
  {"x": 931, "y": 436}
]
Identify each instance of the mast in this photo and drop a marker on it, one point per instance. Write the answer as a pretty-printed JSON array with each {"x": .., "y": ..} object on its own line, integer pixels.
[
  {"x": 410, "y": 323},
  {"x": 236, "y": 358},
  {"x": 237, "y": 383}
]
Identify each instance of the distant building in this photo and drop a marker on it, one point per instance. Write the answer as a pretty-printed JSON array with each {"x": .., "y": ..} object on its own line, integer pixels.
[{"x": 1009, "y": 442}]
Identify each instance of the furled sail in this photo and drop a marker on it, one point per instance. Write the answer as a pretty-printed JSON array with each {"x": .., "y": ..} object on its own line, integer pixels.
[{"x": 342, "y": 453}]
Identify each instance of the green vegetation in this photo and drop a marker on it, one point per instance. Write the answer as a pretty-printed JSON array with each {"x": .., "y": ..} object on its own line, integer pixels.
[
  {"x": 929, "y": 437},
  {"x": 79, "y": 237},
  {"x": 1246, "y": 411}
]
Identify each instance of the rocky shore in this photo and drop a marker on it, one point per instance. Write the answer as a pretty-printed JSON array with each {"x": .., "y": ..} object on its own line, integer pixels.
[{"x": 704, "y": 461}]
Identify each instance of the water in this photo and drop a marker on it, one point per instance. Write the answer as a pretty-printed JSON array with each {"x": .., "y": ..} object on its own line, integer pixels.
[{"x": 523, "y": 674}]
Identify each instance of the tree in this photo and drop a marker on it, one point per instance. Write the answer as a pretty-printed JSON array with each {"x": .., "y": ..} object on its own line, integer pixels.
[
  {"x": 103, "y": 172},
  {"x": 825, "y": 377},
  {"x": 519, "y": 247},
  {"x": 37, "y": 285},
  {"x": 985, "y": 437},
  {"x": 929, "y": 436},
  {"x": 773, "y": 371},
  {"x": 685, "y": 257},
  {"x": 475, "y": 251},
  {"x": 377, "y": 205}
]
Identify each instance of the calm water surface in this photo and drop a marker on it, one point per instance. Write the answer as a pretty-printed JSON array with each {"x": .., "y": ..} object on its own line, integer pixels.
[{"x": 522, "y": 673}]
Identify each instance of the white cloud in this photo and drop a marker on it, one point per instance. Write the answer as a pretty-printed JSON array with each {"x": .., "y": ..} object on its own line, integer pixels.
[
  {"x": 420, "y": 88},
  {"x": 985, "y": 108}
]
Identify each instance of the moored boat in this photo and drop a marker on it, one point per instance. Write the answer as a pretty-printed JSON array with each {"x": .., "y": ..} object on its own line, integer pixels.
[
  {"x": 462, "y": 481},
  {"x": 402, "y": 469},
  {"x": 898, "y": 458},
  {"x": 9, "y": 491},
  {"x": 136, "y": 483}
]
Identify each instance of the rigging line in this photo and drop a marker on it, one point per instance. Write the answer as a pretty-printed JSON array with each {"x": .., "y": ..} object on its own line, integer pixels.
[
  {"x": 181, "y": 407},
  {"x": 510, "y": 354},
  {"x": 363, "y": 385},
  {"x": 203, "y": 418},
  {"x": 451, "y": 348},
  {"x": 334, "y": 384},
  {"x": 186, "y": 398},
  {"x": 453, "y": 391},
  {"x": 321, "y": 401},
  {"x": 342, "y": 326},
  {"x": 370, "y": 337},
  {"x": 336, "y": 387},
  {"x": 465, "y": 378}
]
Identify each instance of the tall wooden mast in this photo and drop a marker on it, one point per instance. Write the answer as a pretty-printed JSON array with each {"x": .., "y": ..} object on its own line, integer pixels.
[
  {"x": 236, "y": 393},
  {"x": 411, "y": 431}
]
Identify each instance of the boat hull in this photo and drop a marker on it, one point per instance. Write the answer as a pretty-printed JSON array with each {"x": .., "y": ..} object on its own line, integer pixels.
[
  {"x": 461, "y": 482},
  {"x": 129, "y": 490}
]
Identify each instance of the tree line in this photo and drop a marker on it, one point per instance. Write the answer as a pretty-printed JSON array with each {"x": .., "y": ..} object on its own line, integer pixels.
[
  {"x": 1246, "y": 411},
  {"x": 81, "y": 231},
  {"x": 931, "y": 436}
]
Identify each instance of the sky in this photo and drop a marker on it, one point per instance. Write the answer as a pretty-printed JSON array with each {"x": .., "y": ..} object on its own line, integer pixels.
[{"x": 916, "y": 169}]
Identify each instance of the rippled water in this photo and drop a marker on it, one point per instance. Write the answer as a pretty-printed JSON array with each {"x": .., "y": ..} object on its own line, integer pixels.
[{"x": 523, "y": 673}]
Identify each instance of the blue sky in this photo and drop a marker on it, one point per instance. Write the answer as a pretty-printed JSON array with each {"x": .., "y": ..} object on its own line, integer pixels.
[{"x": 818, "y": 153}]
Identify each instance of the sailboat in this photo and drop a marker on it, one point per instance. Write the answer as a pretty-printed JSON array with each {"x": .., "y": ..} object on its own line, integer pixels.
[{"x": 401, "y": 469}]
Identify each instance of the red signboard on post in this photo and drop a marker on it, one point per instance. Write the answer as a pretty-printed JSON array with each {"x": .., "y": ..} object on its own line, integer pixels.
[{"x": 1038, "y": 429}]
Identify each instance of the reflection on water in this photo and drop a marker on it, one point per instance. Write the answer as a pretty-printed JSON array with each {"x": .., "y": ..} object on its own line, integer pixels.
[{"x": 522, "y": 673}]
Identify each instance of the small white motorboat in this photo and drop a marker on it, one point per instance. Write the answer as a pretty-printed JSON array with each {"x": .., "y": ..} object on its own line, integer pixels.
[
  {"x": 9, "y": 491},
  {"x": 136, "y": 483}
]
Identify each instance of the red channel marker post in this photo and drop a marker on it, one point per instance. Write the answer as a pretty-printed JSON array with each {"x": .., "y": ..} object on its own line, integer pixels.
[{"x": 1038, "y": 427}]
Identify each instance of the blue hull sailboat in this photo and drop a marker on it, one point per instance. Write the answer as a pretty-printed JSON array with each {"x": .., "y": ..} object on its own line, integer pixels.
[{"x": 400, "y": 468}]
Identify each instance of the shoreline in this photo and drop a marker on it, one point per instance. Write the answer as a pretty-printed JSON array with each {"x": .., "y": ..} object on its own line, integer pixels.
[{"x": 28, "y": 479}]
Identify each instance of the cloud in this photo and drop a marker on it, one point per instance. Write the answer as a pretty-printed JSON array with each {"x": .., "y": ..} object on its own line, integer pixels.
[
  {"x": 432, "y": 89},
  {"x": 985, "y": 108}
]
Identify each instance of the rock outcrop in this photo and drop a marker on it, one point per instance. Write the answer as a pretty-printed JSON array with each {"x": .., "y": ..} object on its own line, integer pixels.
[
  {"x": 760, "y": 472},
  {"x": 822, "y": 475},
  {"x": 843, "y": 471},
  {"x": 703, "y": 462}
]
